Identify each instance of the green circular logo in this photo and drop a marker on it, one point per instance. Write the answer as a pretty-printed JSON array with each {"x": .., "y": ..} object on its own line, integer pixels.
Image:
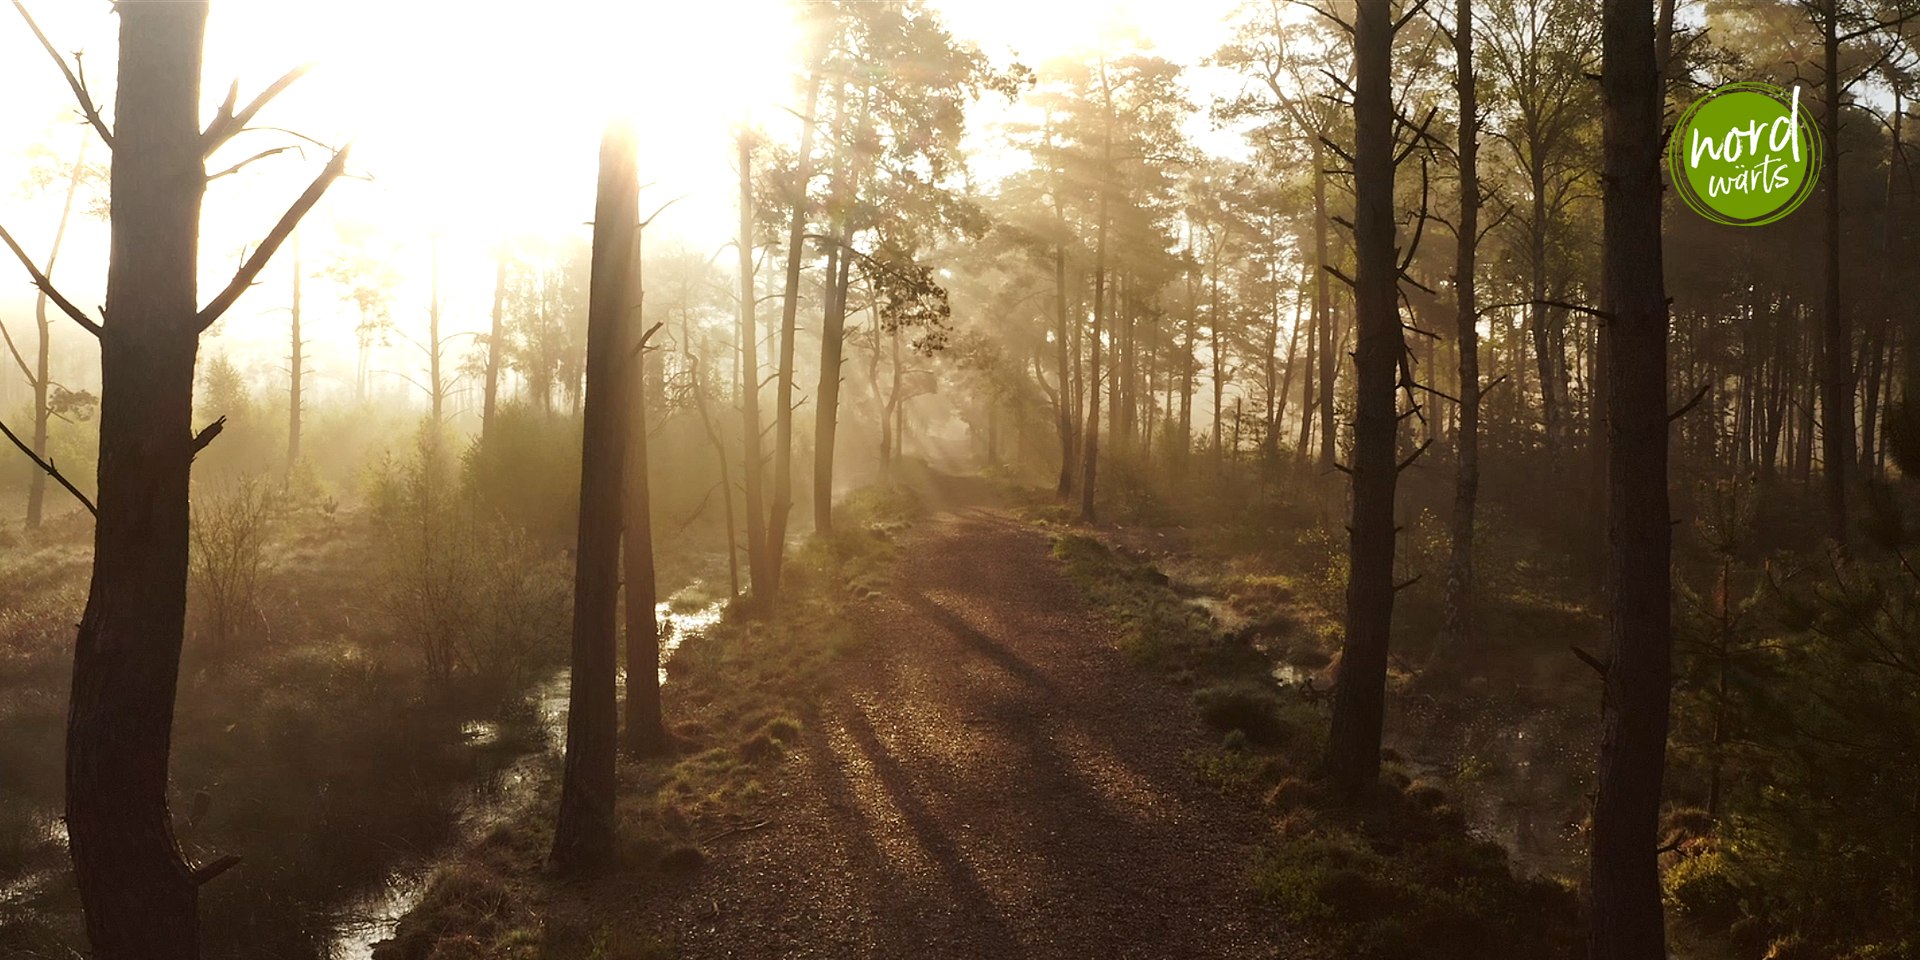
[{"x": 1746, "y": 154}]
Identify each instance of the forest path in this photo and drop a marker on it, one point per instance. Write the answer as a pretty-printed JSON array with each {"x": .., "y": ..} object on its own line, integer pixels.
[{"x": 992, "y": 780}]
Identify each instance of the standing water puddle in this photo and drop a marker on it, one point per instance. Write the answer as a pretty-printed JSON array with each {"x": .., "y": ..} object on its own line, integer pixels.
[{"x": 373, "y": 916}]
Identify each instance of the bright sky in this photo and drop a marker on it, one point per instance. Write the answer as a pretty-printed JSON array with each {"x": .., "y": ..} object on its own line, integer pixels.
[{"x": 477, "y": 122}]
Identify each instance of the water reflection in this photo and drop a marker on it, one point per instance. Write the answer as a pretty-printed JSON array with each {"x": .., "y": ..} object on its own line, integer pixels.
[{"x": 372, "y": 917}]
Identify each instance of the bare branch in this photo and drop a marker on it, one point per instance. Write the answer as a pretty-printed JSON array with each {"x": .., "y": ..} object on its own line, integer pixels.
[
  {"x": 32, "y": 381},
  {"x": 263, "y": 253},
  {"x": 1562, "y": 304},
  {"x": 46, "y": 286},
  {"x": 1698, "y": 395},
  {"x": 1412, "y": 10},
  {"x": 78, "y": 83},
  {"x": 206, "y": 435},
  {"x": 1591, "y": 661},
  {"x": 1415, "y": 455},
  {"x": 47, "y": 465},
  {"x": 203, "y": 874},
  {"x": 1316, "y": 8},
  {"x": 262, "y": 155},
  {"x": 642, "y": 345},
  {"x": 227, "y": 122}
]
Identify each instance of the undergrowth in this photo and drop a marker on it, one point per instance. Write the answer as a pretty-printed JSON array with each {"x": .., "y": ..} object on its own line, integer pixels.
[
  {"x": 736, "y": 703},
  {"x": 1397, "y": 878}
]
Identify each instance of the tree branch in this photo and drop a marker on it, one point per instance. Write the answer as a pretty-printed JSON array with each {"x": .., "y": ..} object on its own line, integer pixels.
[
  {"x": 227, "y": 122},
  {"x": 206, "y": 435},
  {"x": 1698, "y": 395},
  {"x": 78, "y": 84},
  {"x": 47, "y": 465},
  {"x": 1415, "y": 455},
  {"x": 642, "y": 345},
  {"x": 32, "y": 381},
  {"x": 262, "y": 155},
  {"x": 46, "y": 286},
  {"x": 1562, "y": 304},
  {"x": 1591, "y": 661},
  {"x": 202, "y": 874},
  {"x": 263, "y": 253}
]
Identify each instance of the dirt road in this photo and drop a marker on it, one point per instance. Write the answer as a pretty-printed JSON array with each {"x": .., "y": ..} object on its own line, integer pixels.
[{"x": 993, "y": 781}]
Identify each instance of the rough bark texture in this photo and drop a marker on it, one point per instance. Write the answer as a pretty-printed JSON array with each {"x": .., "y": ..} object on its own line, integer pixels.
[
  {"x": 139, "y": 895},
  {"x": 1457, "y": 625},
  {"x": 1626, "y": 921},
  {"x": 583, "y": 834},
  {"x": 1353, "y": 741}
]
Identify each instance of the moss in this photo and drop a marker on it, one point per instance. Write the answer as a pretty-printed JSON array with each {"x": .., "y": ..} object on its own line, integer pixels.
[
  {"x": 1373, "y": 900},
  {"x": 1397, "y": 878},
  {"x": 737, "y": 694}
]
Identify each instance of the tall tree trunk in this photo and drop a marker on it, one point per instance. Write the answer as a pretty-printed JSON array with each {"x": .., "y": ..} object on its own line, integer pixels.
[
  {"x": 1064, "y": 487},
  {"x": 751, "y": 464},
  {"x": 1277, "y": 421},
  {"x": 1880, "y": 337},
  {"x": 1353, "y": 740},
  {"x": 583, "y": 834},
  {"x": 1090, "y": 443},
  {"x": 1190, "y": 332},
  {"x": 1627, "y": 922},
  {"x": 1539, "y": 318},
  {"x": 1309, "y": 409},
  {"x": 139, "y": 896},
  {"x": 782, "y": 502},
  {"x": 1836, "y": 379},
  {"x": 496, "y": 336},
  {"x": 1090, "y": 439},
  {"x": 42, "y": 412},
  {"x": 698, "y": 388},
  {"x": 1323, "y": 305},
  {"x": 833, "y": 328},
  {"x": 1218, "y": 356},
  {"x": 646, "y": 734},
  {"x": 1457, "y": 619}
]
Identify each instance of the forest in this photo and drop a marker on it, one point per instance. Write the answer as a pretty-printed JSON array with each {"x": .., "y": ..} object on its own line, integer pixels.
[{"x": 1345, "y": 479}]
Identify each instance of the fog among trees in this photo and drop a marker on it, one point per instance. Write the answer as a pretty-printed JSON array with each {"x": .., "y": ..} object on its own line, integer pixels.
[{"x": 950, "y": 478}]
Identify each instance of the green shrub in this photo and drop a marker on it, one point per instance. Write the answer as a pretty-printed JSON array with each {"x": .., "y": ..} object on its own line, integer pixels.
[
  {"x": 1701, "y": 888},
  {"x": 1248, "y": 708},
  {"x": 476, "y": 595}
]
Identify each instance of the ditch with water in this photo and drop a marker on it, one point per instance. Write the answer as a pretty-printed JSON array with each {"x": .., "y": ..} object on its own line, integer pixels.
[{"x": 346, "y": 926}]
